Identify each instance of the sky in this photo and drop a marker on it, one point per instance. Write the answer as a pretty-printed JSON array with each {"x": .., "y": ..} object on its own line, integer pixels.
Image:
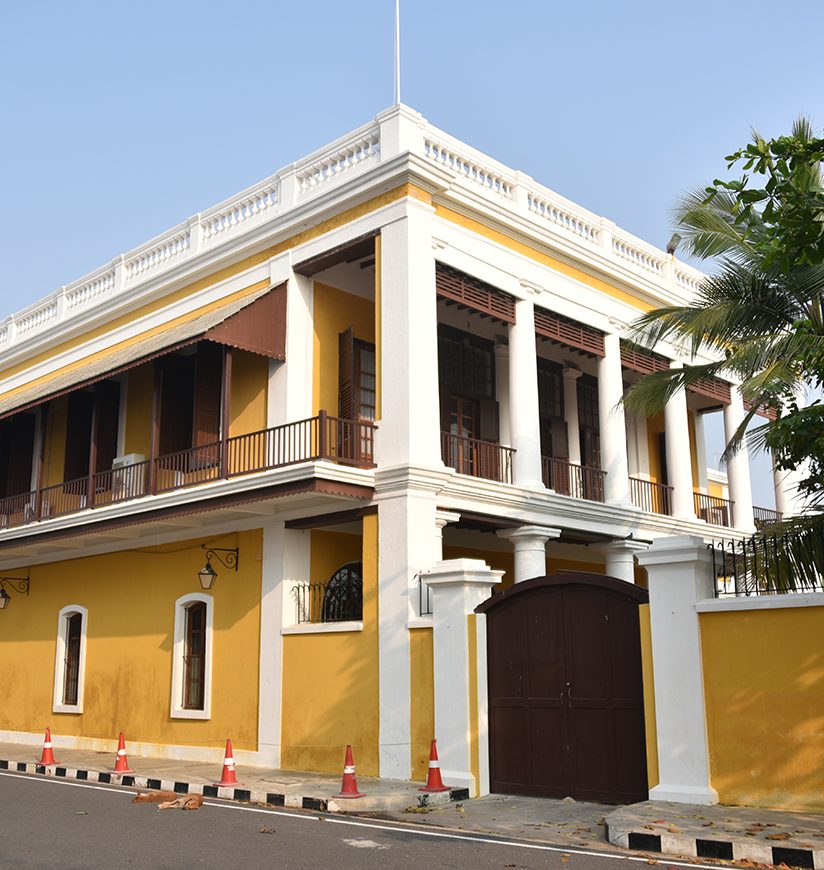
[{"x": 122, "y": 119}]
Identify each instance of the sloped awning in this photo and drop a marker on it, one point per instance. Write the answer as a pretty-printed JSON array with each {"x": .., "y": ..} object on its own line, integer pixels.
[{"x": 255, "y": 323}]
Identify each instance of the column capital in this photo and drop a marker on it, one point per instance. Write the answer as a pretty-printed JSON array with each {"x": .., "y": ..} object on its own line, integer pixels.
[
  {"x": 531, "y": 288},
  {"x": 443, "y": 518},
  {"x": 626, "y": 546},
  {"x": 571, "y": 373},
  {"x": 525, "y": 535},
  {"x": 677, "y": 548}
]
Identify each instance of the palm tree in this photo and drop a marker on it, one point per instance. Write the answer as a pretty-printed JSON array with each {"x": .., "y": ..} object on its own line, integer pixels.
[{"x": 760, "y": 316}]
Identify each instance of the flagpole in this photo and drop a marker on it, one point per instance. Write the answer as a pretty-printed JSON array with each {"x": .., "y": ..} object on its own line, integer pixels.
[{"x": 397, "y": 51}]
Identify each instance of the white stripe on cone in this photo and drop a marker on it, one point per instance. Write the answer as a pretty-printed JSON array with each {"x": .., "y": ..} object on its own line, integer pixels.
[
  {"x": 229, "y": 762},
  {"x": 434, "y": 764},
  {"x": 47, "y": 746},
  {"x": 348, "y": 769}
]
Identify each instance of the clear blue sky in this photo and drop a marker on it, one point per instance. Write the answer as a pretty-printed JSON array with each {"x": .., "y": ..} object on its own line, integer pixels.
[{"x": 121, "y": 119}]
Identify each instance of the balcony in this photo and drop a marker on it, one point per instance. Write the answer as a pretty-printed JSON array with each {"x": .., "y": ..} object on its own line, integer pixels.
[
  {"x": 320, "y": 438},
  {"x": 477, "y": 458},
  {"x": 569, "y": 478},
  {"x": 654, "y": 498},
  {"x": 764, "y": 517},
  {"x": 715, "y": 510}
]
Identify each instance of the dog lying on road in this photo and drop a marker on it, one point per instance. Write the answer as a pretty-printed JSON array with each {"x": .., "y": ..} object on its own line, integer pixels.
[{"x": 169, "y": 800}]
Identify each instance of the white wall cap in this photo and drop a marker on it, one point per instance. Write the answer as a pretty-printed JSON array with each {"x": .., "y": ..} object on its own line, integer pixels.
[
  {"x": 461, "y": 572},
  {"x": 675, "y": 548},
  {"x": 760, "y": 602},
  {"x": 280, "y": 268}
]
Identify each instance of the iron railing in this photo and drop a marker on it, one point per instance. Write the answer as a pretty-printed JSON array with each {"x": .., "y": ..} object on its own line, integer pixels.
[
  {"x": 769, "y": 564},
  {"x": 339, "y": 600},
  {"x": 764, "y": 517},
  {"x": 715, "y": 510},
  {"x": 323, "y": 437},
  {"x": 477, "y": 458},
  {"x": 655, "y": 498},
  {"x": 569, "y": 478}
]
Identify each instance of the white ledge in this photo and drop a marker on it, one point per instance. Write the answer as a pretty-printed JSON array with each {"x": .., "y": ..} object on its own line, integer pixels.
[
  {"x": 761, "y": 602},
  {"x": 322, "y": 627},
  {"x": 421, "y": 622}
]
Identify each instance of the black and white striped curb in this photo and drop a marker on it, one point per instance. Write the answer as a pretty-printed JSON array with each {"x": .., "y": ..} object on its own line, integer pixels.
[
  {"x": 274, "y": 799},
  {"x": 716, "y": 847}
]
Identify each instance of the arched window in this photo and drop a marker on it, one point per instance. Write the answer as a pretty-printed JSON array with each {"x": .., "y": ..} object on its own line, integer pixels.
[
  {"x": 192, "y": 664},
  {"x": 343, "y": 598},
  {"x": 70, "y": 659}
]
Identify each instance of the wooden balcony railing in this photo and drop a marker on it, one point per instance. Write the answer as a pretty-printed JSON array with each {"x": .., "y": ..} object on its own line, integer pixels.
[
  {"x": 655, "y": 498},
  {"x": 569, "y": 478},
  {"x": 347, "y": 442},
  {"x": 477, "y": 458},
  {"x": 715, "y": 510},
  {"x": 765, "y": 517}
]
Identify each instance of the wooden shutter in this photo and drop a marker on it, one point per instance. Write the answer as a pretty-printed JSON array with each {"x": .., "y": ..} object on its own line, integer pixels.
[
  {"x": 207, "y": 406},
  {"x": 78, "y": 435},
  {"x": 346, "y": 374},
  {"x": 107, "y": 413},
  {"x": 177, "y": 384},
  {"x": 18, "y": 445}
]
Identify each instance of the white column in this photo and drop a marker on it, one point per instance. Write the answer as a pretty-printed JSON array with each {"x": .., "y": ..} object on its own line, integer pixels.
[
  {"x": 523, "y": 398},
  {"x": 408, "y": 544},
  {"x": 458, "y": 587},
  {"x": 680, "y": 574},
  {"x": 613, "y": 427},
  {"x": 502, "y": 393},
  {"x": 573, "y": 427},
  {"x": 738, "y": 466},
  {"x": 701, "y": 453},
  {"x": 789, "y": 502},
  {"x": 679, "y": 458},
  {"x": 529, "y": 544},
  {"x": 619, "y": 558},
  {"x": 409, "y": 428}
]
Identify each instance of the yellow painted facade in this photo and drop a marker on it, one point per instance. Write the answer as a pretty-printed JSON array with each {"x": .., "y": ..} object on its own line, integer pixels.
[
  {"x": 130, "y": 598},
  {"x": 655, "y": 427},
  {"x": 55, "y": 455},
  {"x": 649, "y": 696},
  {"x": 422, "y": 693},
  {"x": 138, "y": 436},
  {"x": 764, "y": 689},
  {"x": 696, "y": 480},
  {"x": 250, "y": 377},
  {"x": 330, "y": 680}
]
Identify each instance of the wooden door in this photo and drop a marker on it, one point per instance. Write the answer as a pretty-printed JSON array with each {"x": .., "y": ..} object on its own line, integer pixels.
[{"x": 566, "y": 712}]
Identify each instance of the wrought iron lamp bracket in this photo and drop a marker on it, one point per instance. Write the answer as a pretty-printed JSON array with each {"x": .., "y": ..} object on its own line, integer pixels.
[
  {"x": 230, "y": 560},
  {"x": 19, "y": 584}
]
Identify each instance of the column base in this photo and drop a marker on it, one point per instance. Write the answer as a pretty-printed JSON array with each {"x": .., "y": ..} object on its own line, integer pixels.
[
  {"x": 684, "y": 794},
  {"x": 395, "y": 761},
  {"x": 459, "y": 779}
]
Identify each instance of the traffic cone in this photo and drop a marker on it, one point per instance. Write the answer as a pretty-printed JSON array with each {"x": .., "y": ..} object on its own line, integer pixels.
[
  {"x": 349, "y": 786},
  {"x": 433, "y": 780},
  {"x": 121, "y": 764},
  {"x": 47, "y": 756},
  {"x": 228, "y": 778}
]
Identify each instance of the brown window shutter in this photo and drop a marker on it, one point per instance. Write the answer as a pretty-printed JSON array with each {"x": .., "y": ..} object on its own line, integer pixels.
[
  {"x": 78, "y": 435},
  {"x": 207, "y": 407},
  {"x": 346, "y": 374},
  {"x": 107, "y": 397},
  {"x": 176, "y": 404}
]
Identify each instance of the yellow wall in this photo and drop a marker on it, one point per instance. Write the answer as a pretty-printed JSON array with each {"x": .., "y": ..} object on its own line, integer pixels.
[
  {"x": 334, "y": 312},
  {"x": 422, "y": 693},
  {"x": 715, "y": 489},
  {"x": 650, "y": 723},
  {"x": 764, "y": 688},
  {"x": 250, "y": 375},
  {"x": 56, "y": 441},
  {"x": 655, "y": 426},
  {"x": 130, "y": 598},
  {"x": 696, "y": 480},
  {"x": 330, "y": 681},
  {"x": 138, "y": 435}
]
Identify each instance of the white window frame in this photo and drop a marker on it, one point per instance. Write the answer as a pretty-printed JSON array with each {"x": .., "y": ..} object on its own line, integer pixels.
[
  {"x": 178, "y": 711},
  {"x": 60, "y": 659}
]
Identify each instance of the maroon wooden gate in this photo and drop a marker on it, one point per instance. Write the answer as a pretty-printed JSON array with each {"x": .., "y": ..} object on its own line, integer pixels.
[{"x": 566, "y": 714}]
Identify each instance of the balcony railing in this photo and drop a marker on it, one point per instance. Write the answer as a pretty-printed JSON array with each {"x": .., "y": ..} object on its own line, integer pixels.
[
  {"x": 655, "y": 498},
  {"x": 346, "y": 442},
  {"x": 569, "y": 478},
  {"x": 764, "y": 517},
  {"x": 715, "y": 510},
  {"x": 477, "y": 458}
]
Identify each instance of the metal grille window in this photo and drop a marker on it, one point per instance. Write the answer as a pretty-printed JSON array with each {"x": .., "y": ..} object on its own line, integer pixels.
[
  {"x": 71, "y": 664},
  {"x": 194, "y": 657},
  {"x": 466, "y": 364},
  {"x": 340, "y": 599}
]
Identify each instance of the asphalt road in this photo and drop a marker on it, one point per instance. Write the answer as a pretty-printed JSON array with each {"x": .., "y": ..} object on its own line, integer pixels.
[{"x": 48, "y": 823}]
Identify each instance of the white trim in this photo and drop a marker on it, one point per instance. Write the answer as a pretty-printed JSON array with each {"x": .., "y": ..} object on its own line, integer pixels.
[
  {"x": 322, "y": 627},
  {"x": 421, "y": 622},
  {"x": 177, "y": 710},
  {"x": 483, "y": 704},
  {"x": 761, "y": 602},
  {"x": 60, "y": 660}
]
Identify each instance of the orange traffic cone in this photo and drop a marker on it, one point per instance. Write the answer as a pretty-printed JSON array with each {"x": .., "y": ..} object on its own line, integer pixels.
[
  {"x": 349, "y": 786},
  {"x": 121, "y": 764},
  {"x": 433, "y": 780},
  {"x": 229, "y": 777},
  {"x": 47, "y": 756}
]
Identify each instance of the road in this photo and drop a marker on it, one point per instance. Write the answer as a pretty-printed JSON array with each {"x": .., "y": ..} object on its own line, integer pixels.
[{"x": 47, "y": 823}]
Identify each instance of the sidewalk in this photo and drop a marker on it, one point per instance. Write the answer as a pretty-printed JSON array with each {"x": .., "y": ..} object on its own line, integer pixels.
[{"x": 311, "y": 791}]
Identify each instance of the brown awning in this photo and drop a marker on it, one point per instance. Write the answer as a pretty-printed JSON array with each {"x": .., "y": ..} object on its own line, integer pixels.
[{"x": 256, "y": 323}]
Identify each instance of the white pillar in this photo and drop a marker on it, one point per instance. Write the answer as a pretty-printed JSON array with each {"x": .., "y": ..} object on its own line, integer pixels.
[
  {"x": 502, "y": 393},
  {"x": 619, "y": 558},
  {"x": 680, "y": 574},
  {"x": 529, "y": 544},
  {"x": 613, "y": 428},
  {"x": 789, "y": 502},
  {"x": 679, "y": 457},
  {"x": 409, "y": 428},
  {"x": 573, "y": 427},
  {"x": 523, "y": 398},
  {"x": 458, "y": 587},
  {"x": 738, "y": 466}
]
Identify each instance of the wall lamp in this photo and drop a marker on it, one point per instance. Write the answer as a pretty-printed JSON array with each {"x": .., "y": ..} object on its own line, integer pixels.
[
  {"x": 19, "y": 584},
  {"x": 207, "y": 573}
]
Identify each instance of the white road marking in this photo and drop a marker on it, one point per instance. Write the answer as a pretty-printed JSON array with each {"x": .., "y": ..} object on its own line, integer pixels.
[
  {"x": 397, "y": 827},
  {"x": 365, "y": 844}
]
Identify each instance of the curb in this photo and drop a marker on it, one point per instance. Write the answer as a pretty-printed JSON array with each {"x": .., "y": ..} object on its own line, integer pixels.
[
  {"x": 273, "y": 799},
  {"x": 717, "y": 848}
]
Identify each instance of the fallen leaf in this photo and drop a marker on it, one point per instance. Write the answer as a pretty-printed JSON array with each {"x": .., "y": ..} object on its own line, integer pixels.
[
  {"x": 267, "y": 830},
  {"x": 783, "y": 835},
  {"x": 651, "y": 861},
  {"x": 673, "y": 830},
  {"x": 650, "y": 827},
  {"x": 81, "y": 813}
]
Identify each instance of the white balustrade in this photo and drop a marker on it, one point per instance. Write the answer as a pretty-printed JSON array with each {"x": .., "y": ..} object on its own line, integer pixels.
[
  {"x": 644, "y": 259},
  {"x": 330, "y": 166},
  {"x": 562, "y": 217},
  {"x": 4, "y": 335},
  {"x": 88, "y": 291},
  {"x": 151, "y": 258},
  {"x": 261, "y": 201},
  {"x": 35, "y": 318},
  {"x": 687, "y": 281},
  {"x": 468, "y": 168}
]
